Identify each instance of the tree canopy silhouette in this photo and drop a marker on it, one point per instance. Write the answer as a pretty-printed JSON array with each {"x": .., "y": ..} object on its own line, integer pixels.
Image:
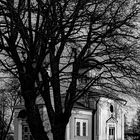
[{"x": 52, "y": 46}]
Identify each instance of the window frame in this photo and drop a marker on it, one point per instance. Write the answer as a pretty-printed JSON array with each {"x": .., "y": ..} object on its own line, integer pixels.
[
  {"x": 26, "y": 135},
  {"x": 82, "y": 129},
  {"x": 111, "y": 131}
]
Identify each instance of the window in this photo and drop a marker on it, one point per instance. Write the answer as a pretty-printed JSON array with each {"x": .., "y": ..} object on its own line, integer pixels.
[
  {"x": 111, "y": 108},
  {"x": 111, "y": 133},
  {"x": 26, "y": 129},
  {"x": 26, "y": 134},
  {"x": 84, "y": 128},
  {"x": 78, "y": 128},
  {"x": 81, "y": 127}
]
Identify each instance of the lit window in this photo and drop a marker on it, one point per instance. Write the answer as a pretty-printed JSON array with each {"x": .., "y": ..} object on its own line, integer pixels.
[{"x": 81, "y": 127}]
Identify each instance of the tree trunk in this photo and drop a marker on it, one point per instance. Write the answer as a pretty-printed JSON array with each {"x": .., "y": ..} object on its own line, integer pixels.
[
  {"x": 33, "y": 117},
  {"x": 35, "y": 123},
  {"x": 59, "y": 132}
]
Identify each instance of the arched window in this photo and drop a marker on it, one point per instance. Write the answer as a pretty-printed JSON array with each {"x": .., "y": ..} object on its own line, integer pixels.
[{"x": 111, "y": 108}]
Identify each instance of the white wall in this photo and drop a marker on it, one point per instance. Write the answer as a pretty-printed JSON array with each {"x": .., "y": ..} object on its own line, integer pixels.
[
  {"x": 81, "y": 114},
  {"x": 104, "y": 114}
]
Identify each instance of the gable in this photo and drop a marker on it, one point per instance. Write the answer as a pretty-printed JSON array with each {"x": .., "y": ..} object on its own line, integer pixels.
[{"x": 111, "y": 120}]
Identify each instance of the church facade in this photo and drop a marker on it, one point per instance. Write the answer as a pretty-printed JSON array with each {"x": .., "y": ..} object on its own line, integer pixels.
[{"x": 105, "y": 121}]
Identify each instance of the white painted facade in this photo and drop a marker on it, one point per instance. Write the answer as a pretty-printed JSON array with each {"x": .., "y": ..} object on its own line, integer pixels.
[
  {"x": 107, "y": 121},
  {"x": 82, "y": 117},
  {"x": 105, "y": 125}
]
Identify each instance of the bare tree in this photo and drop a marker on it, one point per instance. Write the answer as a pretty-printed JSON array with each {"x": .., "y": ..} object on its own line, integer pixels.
[
  {"x": 50, "y": 44},
  {"x": 8, "y": 100}
]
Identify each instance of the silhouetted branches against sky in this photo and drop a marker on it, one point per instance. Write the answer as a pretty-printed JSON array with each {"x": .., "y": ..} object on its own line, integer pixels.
[
  {"x": 66, "y": 42},
  {"x": 100, "y": 31}
]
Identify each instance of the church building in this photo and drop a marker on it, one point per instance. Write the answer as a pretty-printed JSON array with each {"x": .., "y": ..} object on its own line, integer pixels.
[{"x": 103, "y": 121}]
